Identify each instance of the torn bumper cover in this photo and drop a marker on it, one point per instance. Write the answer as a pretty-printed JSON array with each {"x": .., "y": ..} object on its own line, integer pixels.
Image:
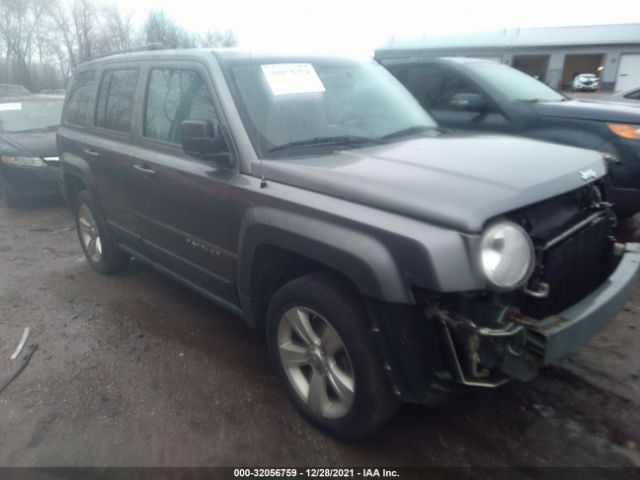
[
  {"x": 559, "y": 335},
  {"x": 513, "y": 345}
]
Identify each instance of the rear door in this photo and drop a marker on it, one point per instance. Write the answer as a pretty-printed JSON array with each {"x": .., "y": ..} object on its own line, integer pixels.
[
  {"x": 187, "y": 223},
  {"x": 111, "y": 152},
  {"x": 434, "y": 86}
]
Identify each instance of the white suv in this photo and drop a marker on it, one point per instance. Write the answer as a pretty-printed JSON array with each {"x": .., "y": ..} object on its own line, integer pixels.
[{"x": 585, "y": 81}]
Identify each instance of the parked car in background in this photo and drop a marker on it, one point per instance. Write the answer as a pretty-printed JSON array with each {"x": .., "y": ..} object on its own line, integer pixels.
[
  {"x": 11, "y": 90},
  {"x": 585, "y": 82},
  {"x": 630, "y": 97},
  {"x": 387, "y": 260},
  {"x": 28, "y": 153},
  {"x": 485, "y": 96}
]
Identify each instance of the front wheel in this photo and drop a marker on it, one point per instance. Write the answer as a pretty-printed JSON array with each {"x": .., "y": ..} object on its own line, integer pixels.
[
  {"x": 324, "y": 356},
  {"x": 99, "y": 250}
]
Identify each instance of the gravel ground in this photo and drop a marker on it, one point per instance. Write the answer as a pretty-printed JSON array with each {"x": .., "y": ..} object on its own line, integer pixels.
[{"x": 133, "y": 369}]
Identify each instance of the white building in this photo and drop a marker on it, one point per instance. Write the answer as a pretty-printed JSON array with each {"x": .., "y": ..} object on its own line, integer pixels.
[{"x": 555, "y": 54}]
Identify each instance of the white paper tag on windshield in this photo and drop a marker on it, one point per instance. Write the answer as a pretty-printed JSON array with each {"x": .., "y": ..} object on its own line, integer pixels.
[
  {"x": 289, "y": 78},
  {"x": 5, "y": 107}
]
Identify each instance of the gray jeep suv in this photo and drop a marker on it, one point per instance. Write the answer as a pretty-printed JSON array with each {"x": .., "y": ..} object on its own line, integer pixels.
[{"x": 386, "y": 260}]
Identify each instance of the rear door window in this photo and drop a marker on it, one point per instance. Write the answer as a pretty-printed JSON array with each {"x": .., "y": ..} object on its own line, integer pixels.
[
  {"x": 80, "y": 99},
  {"x": 175, "y": 95},
  {"x": 116, "y": 99}
]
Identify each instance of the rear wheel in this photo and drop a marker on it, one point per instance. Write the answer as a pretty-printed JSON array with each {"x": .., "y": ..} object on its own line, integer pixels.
[
  {"x": 99, "y": 249},
  {"x": 324, "y": 356}
]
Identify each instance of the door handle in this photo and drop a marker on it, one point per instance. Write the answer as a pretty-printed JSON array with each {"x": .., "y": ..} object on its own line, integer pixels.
[
  {"x": 91, "y": 153},
  {"x": 144, "y": 170}
]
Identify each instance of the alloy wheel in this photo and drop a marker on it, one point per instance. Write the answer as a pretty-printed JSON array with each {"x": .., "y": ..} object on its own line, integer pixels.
[
  {"x": 316, "y": 362},
  {"x": 89, "y": 233}
]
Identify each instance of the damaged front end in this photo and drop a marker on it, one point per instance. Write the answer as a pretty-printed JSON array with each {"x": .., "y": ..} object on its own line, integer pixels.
[{"x": 581, "y": 280}]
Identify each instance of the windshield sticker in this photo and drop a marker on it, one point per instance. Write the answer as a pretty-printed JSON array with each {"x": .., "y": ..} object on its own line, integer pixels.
[
  {"x": 5, "y": 107},
  {"x": 290, "y": 78}
]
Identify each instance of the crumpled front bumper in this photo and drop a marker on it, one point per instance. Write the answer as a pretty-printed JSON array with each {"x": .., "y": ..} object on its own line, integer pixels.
[
  {"x": 555, "y": 337},
  {"x": 559, "y": 335},
  {"x": 512, "y": 345}
]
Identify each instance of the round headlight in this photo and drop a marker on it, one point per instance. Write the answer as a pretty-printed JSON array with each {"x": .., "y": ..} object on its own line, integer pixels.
[{"x": 506, "y": 255}]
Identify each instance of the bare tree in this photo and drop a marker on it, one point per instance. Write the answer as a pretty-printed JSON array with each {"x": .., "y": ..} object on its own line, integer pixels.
[
  {"x": 18, "y": 23},
  {"x": 218, "y": 38},
  {"x": 87, "y": 31},
  {"x": 161, "y": 29},
  {"x": 42, "y": 41},
  {"x": 117, "y": 29}
]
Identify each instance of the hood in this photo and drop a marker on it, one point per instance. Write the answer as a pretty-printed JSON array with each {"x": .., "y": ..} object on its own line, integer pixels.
[
  {"x": 620, "y": 99},
  {"x": 586, "y": 110},
  {"x": 32, "y": 144},
  {"x": 457, "y": 180}
]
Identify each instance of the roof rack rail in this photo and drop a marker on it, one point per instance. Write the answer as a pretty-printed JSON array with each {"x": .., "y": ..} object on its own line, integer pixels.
[
  {"x": 149, "y": 46},
  {"x": 143, "y": 48}
]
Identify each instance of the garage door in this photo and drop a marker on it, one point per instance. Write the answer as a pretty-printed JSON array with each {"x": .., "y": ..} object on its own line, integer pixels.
[{"x": 628, "y": 72}]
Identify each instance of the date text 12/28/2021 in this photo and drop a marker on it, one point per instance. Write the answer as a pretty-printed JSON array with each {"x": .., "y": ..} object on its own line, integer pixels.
[{"x": 315, "y": 473}]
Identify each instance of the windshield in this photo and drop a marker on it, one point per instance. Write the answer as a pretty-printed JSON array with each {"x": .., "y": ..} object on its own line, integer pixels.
[
  {"x": 30, "y": 115},
  {"x": 515, "y": 84},
  {"x": 330, "y": 103},
  {"x": 13, "y": 90}
]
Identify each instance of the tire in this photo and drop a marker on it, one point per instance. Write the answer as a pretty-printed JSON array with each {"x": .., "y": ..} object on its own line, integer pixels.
[
  {"x": 8, "y": 199},
  {"x": 341, "y": 358},
  {"x": 98, "y": 247}
]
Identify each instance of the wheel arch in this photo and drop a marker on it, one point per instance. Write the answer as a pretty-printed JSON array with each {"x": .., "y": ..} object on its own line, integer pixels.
[
  {"x": 76, "y": 176},
  {"x": 72, "y": 185},
  {"x": 278, "y": 246}
]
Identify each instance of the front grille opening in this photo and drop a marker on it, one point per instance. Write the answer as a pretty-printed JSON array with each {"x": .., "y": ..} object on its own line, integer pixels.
[{"x": 573, "y": 269}]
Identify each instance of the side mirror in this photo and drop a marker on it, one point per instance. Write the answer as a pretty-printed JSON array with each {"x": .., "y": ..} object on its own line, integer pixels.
[
  {"x": 468, "y": 101},
  {"x": 201, "y": 139}
]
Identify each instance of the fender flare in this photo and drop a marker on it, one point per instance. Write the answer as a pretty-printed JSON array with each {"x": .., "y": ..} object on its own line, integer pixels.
[
  {"x": 361, "y": 258},
  {"x": 77, "y": 167}
]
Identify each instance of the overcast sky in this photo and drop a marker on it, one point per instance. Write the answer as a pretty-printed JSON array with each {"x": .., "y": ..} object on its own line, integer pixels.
[{"x": 356, "y": 27}]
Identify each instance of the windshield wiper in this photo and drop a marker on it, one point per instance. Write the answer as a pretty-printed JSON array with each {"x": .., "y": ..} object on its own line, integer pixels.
[
  {"x": 408, "y": 131},
  {"x": 321, "y": 141}
]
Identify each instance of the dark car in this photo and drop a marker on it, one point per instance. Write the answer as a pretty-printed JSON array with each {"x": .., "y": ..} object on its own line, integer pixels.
[
  {"x": 12, "y": 90},
  {"x": 29, "y": 163},
  {"x": 313, "y": 197},
  {"x": 481, "y": 95},
  {"x": 629, "y": 97}
]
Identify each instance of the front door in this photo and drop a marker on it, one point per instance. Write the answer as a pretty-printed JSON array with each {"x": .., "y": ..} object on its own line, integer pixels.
[{"x": 187, "y": 224}]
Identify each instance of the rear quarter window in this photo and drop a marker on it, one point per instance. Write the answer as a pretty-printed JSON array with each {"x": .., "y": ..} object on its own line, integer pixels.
[{"x": 80, "y": 101}]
